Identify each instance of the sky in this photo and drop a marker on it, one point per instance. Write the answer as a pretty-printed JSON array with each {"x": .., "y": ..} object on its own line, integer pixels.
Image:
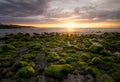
[{"x": 60, "y": 13}]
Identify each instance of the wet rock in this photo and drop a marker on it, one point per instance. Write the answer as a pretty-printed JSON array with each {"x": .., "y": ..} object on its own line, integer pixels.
[
  {"x": 21, "y": 49},
  {"x": 117, "y": 53},
  {"x": 89, "y": 78},
  {"x": 74, "y": 78},
  {"x": 1, "y": 43},
  {"x": 56, "y": 49},
  {"x": 41, "y": 66},
  {"x": 19, "y": 52},
  {"x": 41, "y": 78},
  {"x": 68, "y": 43},
  {"x": 41, "y": 62}
]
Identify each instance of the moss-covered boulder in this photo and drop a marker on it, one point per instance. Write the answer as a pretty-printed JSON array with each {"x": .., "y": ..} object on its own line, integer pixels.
[
  {"x": 52, "y": 56},
  {"x": 85, "y": 56},
  {"x": 26, "y": 72},
  {"x": 58, "y": 71},
  {"x": 20, "y": 64},
  {"x": 7, "y": 47},
  {"x": 28, "y": 56},
  {"x": 96, "y": 48},
  {"x": 62, "y": 61},
  {"x": 96, "y": 60}
]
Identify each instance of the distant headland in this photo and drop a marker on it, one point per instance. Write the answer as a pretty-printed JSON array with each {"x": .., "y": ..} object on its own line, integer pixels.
[{"x": 10, "y": 26}]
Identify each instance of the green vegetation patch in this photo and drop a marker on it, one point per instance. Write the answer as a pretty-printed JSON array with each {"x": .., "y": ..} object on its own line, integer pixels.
[
  {"x": 29, "y": 56},
  {"x": 58, "y": 71},
  {"x": 22, "y": 56},
  {"x": 62, "y": 61},
  {"x": 26, "y": 72},
  {"x": 96, "y": 48},
  {"x": 52, "y": 56},
  {"x": 20, "y": 64}
]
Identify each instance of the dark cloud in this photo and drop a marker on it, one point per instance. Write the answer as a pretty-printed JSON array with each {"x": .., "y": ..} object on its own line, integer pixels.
[
  {"x": 27, "y": 20},
  {"x": 92, "y": 13},
  {"x": 17, "y": 20},
  {"x": 58, "y": 13},
  {"x": 28, "y": 11},
  {"x": 84, "y": 10},
  {"x": 105, "y": 14},
  {"x": 22, "y": 8}
]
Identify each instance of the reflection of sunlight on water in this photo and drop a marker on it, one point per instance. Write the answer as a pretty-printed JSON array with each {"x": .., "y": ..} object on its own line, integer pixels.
[
  {"x": 70, "y": 29},
  {"x": 70, "y": 26}
]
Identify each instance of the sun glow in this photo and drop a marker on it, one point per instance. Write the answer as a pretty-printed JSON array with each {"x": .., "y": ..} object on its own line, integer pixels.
[
  {"x": 73, "y": 25},
  {"x": 70, "y": 26}
]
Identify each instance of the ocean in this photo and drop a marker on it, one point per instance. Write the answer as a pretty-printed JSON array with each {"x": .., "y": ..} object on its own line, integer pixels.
[{"x": 59, "y": 30}]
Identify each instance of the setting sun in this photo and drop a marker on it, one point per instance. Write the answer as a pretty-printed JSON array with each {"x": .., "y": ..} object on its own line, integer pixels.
[{"x": 70, "y": 26}]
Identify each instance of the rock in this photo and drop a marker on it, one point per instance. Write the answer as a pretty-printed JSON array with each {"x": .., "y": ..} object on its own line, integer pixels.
[
  {"x": 89, "y": 78},
  {"x": 74, "y": 78},
  {"x": 56, "y": 49},
  {"x": 41, "y": 78},
  {"x": 117, "y": 53},
  {"x": 41, "y": 66},
  {"x": 68, "y": 43}
]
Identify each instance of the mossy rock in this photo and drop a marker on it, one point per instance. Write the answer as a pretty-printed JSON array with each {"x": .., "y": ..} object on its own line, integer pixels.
[
  {"x": 94, "y": 71},
  {"x": 100, "y": 75},
  {"x": 26, "y": 72},
  {"x": 58, "y": 71},
  {"x": 105, "y": 53},
  {"x": 28, "y": 56},
  {"x": 110, "y": 59},
  {"x": 52, "y": 56},
  {"x": 6, "y": 63},
  {"x": 70, "y": 59},
  {"x": 116, "y": 75},
  {"x": 31, "y": 79},
  {"x": 70, "y": 50},
  {"x": 82, "y": 64},
  {"x": 1, "y": 73},
  {"x": 96, "y": 48},
  {"x": 32, "y": 64},
  {"x": 105, "y": 66},
  {"x": 62, "y": 61},
  {"x": 9, "y": 74},
  {"x": 96, "y": 60},
  {"x": 76, "y": 47},
  {"x": 87, "y": 43},
  {"x": 85, "y": 56},
  {"x": 105, "y": 78},
  {"x": 7, "y": 47},
  {"x": 35, "y": 46},
  {"x": 20, "y": 64}
]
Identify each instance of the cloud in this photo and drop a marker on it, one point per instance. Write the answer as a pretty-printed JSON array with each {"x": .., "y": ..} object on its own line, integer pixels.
[
  {"x": 28, "y": 20},
  {"x": 58, "y": 13},
  {"x": 22, "y": 8},
  {"x": 94, "y": 14},
  {"x": 51, "y": 11},
  {"x": 106, "y": 14},
  {"x": 107, "y": 4}
]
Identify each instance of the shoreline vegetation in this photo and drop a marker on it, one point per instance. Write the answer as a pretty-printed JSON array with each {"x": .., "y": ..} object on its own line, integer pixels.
[{"x": 54, "y": 57}]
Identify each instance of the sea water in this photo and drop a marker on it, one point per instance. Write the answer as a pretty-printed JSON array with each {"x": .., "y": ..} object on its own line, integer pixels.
[{"x": 59, "y": 30}]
